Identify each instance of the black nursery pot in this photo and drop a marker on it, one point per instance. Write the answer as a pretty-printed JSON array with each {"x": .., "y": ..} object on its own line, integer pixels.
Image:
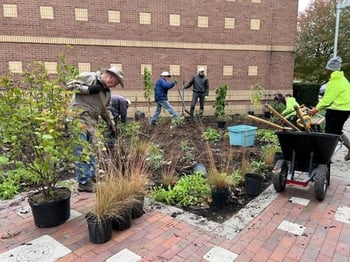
[
  {"x": 137, "y": 208},
  {"x": 100, "y": 230},
  {"x": 221, "y": 124},
  {"x": 123, "y": 220},
  {"x": 253, "y": 183},
  {"x": 52, "y": 213},
  {"x": 219, "y": 196}
]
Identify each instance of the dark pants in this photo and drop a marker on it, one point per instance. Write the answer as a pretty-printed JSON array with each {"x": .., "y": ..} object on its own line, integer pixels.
[
  {"x": 195, "y": 97},
  {"x": 335, "y": 120}
]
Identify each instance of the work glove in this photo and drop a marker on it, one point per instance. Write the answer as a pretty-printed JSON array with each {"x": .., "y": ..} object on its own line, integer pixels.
[
  {"x": 175, "y": 81},
  {"x": 74, "y": 84},
  {"x": 206, "y": 98}
]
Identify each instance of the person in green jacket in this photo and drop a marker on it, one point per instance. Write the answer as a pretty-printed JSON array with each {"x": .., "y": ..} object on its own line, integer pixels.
[
  {"x": 336, "y": 101},
  {"x": 289, "y": 112}
]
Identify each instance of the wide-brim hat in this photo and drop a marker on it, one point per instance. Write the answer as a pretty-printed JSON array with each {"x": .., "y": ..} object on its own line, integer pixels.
[
  {"x": 165, "y": 73},
  {"x": 118, "y": 73}
]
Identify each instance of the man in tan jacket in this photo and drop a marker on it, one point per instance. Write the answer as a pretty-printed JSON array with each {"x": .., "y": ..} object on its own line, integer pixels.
[{"x": 91, "y": 100}]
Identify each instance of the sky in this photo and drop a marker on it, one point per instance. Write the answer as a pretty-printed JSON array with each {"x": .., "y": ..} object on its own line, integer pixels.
[{"x": 303, "y": 4}]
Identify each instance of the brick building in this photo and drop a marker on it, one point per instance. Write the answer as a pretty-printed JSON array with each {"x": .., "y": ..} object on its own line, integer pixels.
[{"x": 239, "y": 42}]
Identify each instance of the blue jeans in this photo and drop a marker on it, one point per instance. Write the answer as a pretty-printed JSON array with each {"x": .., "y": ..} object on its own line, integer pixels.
[
  {"x": 84, "y": 171},
  {"x": 167, "y": 107}
]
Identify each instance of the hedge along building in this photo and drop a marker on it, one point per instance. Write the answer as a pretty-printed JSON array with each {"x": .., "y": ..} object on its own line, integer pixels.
[{"x": 239, "y": 42}]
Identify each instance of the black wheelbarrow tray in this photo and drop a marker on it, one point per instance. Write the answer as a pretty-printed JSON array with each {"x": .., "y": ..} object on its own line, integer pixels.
[{"x": 310, "y": 153}]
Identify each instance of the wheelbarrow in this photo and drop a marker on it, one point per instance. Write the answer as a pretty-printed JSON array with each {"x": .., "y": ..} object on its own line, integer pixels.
[{"x": 310, "y": 153}]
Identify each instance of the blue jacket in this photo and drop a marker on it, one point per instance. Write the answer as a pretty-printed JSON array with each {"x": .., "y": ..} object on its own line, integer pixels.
[{"x": 161, "y": 89}]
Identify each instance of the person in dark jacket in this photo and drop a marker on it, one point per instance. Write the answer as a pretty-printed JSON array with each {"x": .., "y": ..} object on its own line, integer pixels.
[
  {"x": 161, "y": 88},
  {"x": 200, "y": 90},
  {"x": 119, "y": 108}
]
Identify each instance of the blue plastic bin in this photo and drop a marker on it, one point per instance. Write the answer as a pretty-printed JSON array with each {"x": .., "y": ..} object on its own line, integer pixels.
[{"x": 242, "y": 135}]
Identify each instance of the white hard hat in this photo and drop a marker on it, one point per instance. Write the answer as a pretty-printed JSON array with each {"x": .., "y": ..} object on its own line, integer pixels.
[
  {"x": 118, "y": 73},
  {"x": 165, "y": 73},
  {"x": 201, "y": 69},
  {"x": 129, "y": 102}
]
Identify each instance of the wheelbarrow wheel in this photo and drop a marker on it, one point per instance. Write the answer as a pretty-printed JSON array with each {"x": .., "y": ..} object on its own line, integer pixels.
[
  {"x": 321, "y": 181},
  {"x": 280, "y": 179}
]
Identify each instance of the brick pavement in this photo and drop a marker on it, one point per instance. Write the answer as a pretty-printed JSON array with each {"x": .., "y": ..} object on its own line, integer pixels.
[
  {"x": 159, "y": 237},
  {"x": 293, "y": 227}
]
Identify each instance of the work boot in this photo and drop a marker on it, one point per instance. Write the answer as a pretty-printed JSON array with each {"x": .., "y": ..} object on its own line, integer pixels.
[
  {"x": 87, "y": 187},
  {"x": 346, "y": 143}
]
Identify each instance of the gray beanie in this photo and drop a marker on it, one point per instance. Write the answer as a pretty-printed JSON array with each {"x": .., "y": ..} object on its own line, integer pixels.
[{"x": 334, "y": 64}]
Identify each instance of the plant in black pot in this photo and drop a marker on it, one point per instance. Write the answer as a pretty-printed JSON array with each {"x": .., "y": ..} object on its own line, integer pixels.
[
  {"x": 220, "y": 105},
  {"x": 35, "y": 139},
  {"x": 220, "y": 187}
]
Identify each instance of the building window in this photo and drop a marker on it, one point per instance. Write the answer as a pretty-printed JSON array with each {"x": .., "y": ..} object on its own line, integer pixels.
[
  {"x": 145, "y": 18},
  {"x": 174, "y": 20},
  {"x": 252, "y": 70},
  {"x": 204, "y": 66},
  {"x": 148, "y": 66},
  {"x": 117, "y": 65},
  {"x": 113, "y": 16},
  {"x": 84, "y": 67},
  {"x": 175, "y": 70},
  {"x": 15, "y": 67},
  {"x": 81, "y": 14},
  {"x": 256, "y": 1},
  {"x": 255, "y": 24},
  {"x": 203, "y": 21},
  {"x": 46, "y": 12},
  {"x": 227, "y": 71},
  {"x": 51, "y": 67},
  {"x": 229, "y": 23},
  {"x": 9, "y": 10}
]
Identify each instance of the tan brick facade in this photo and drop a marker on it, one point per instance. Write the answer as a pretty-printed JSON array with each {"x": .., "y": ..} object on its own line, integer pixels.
[{"x": 239, "y": 42}]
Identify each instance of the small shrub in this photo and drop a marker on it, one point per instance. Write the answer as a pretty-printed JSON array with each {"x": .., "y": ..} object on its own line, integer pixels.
[{"x": 211, "y": 135}]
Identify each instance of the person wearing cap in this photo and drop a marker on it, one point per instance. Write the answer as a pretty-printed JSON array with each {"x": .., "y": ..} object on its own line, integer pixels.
[
  {"x": 119, "y": 107},
  {"x": 200, "y": 90},
  {"x": 289, "y": 112},
  {"x": 92, "y": 99},
  {"x": 161, "y": 88},
  {"x": 336, "y": 101}
]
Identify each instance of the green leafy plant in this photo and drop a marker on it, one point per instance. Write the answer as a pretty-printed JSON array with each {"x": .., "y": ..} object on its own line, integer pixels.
[
  {"x": 266, "y": 136},
  {"x": 256, "y": 93},
  {"x": 34, "y": 127},
  {"x": 148, "y": 87},
  {"x": 220, "y": 102},
  {"x": 190, "y": 190},
  {"x": 236, "y": 177},
  {"x": 211, "y": 134},
  {"x": 155, "y": 157},
  {"x": 187, "y": 150}
]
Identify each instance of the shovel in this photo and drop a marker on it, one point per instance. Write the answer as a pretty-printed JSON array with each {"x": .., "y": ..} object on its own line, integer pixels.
[{"x": 181, "y": 94}]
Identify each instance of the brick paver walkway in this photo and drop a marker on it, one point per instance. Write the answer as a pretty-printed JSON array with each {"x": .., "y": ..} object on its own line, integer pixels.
[{"x": 159, "y": 237}]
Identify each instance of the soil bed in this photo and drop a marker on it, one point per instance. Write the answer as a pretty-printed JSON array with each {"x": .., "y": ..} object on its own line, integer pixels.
[{"x": 169, "y": 138}]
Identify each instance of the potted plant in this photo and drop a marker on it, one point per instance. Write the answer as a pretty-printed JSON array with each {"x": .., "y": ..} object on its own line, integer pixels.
[
  {"x": 256, "y": 93},
  {"x": 219, "y": 183},
  {"x": 39, "y": 147},
  {"x": 220, "y": 105}
]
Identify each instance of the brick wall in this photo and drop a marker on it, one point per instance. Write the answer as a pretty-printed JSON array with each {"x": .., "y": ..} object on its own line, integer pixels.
[{"x": 26, "y": 36}]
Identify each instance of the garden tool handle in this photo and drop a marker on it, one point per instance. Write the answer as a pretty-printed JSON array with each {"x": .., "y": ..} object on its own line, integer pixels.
[
  {"x": 258, "y": 119},
  {"x": 282, "y": 117}
]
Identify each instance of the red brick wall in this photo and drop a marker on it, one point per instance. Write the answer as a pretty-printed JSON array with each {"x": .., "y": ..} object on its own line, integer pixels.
[{"x": 278, "y": 27}]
